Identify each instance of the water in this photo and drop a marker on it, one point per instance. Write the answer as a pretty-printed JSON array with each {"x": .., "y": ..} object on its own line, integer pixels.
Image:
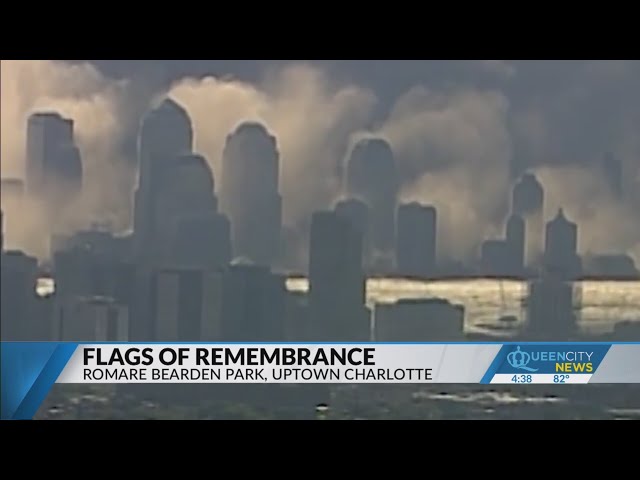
[{"x": 603, "y": 304}]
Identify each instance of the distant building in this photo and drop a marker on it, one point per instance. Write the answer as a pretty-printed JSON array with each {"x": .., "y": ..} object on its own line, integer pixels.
[
  {"x": 242, "y": 303},
  {"x": 91, "y": 319},
  {"x": 189, "y": 229},
  {"x": 419, "y": 320},
  {"x": 298, "y": 327},
  {"x": 357, "y": 212},
  {"x": 550, "y": 309},
  {"x": 249, "y": 194},
  {"x": 372, "y": 177},
  {"x": 19, "y": 321},
  {"x": 96, "y": 240},
  {"x": 252, "y": 304},
  {"x": 54, "y": 166},
  {"x": 528, "y": 202},
  {"x": 561, "y": 245},
  {"x": 90, "y": 266},
  {"x": 186, "y": 305},
  {"x": 416, "y": 240},
  {"x": 336, "y": 280},
  {"x": 611, "y": 265},
  {"x": 516, "y": 243},
  {"x": 203, "y": 241},
  {"x": 165, "y": 133},
  {"x": 494, "y": 258}
]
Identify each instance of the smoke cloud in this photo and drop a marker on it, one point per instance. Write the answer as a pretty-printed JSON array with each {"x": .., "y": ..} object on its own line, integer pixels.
[
  {"x": 99, "y": 109},
  {"x": 455, "y": 146},
  {"x": 453, "y": 151},
  {"x": 311, "y": 119},
  {"x": 605, "y": 224}
]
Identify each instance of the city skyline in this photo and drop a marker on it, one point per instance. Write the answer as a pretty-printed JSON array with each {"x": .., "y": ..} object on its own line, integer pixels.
[
  {"x": 294, "y": 202},
  {"x": 478, "y": 212}
]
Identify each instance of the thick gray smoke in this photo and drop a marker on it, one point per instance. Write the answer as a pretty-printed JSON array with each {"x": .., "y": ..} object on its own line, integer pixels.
[
  {"x": 100, "y": 111},
  {"x": 606, "y": 225},
  {"x": 455, "y": 147},
  {"x": 453, "y": 151},
  {"x": 311, "y": 119}
]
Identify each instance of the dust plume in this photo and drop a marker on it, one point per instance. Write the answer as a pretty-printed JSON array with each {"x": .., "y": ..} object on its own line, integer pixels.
[
  {"x": 98, "y": 107},
  {"x": 311, "y": 119},
  {"x": 606, "y": 225},
  {"x": 453, "y": 151}
]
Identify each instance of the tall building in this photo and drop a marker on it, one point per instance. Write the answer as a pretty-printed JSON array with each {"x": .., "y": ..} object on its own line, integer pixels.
[
  {"x": 189, "y": 230},
  {"x": 186, "y": 305},
  {"x": 561, "y": 245},
  {"x": 371, "y": 176},
  {"x": 416, "y": 240},
  {"x": 419, "y": 320},
  {"x": 253, "y": 304},
  {"x": 516, "y": 243},
  {"x": 18, "y": 308},
  {"x": 336, "y": 280},
  {"x": 550, "y": 309},
  {"x": 357, "y": 212},
  {"x": 54, "y": 166},
  {"x": 165, "y": 134},
  {"x": 494, "y": 258},
  {"x": 249, "y": 194},
  {"x": 203, "y": 241},
  {"x": 90, "y": 319},
  {"x": 528, "y": 203}
]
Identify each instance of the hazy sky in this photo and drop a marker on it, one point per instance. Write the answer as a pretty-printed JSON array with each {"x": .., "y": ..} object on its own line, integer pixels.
[{"x": 458, "y": 129}]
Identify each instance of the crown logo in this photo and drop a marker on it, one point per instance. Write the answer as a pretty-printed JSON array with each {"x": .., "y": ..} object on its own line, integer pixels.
[{"x": 520, "y": 360}]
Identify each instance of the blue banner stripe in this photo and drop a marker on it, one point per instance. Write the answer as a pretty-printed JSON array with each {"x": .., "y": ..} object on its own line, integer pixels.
[
  {"x": 21, "y": 364},
  {"x": 497, "y": 362},
  {"x": 44, "y": 381}
]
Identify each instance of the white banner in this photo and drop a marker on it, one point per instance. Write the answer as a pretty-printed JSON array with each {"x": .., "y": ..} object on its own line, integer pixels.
[
  {"x": 275, "y": 363},
  {"x": 463, "y": 363}
]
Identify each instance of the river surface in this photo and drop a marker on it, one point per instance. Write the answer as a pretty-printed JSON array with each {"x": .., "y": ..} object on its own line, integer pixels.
[{"x": 599, "y": 304}]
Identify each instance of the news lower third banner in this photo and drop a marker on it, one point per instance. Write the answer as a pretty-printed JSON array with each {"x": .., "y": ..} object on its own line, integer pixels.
[{"x": 29, "y": 370}]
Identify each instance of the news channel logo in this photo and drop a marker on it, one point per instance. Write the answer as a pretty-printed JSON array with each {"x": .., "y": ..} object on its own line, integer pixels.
[
  {"x": 555, "y": 358},
  {"x": 520, "y": 360}
]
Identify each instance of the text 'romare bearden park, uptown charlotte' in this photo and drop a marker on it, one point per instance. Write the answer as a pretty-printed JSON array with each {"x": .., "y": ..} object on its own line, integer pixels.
[{"x": 228, "y": 364}]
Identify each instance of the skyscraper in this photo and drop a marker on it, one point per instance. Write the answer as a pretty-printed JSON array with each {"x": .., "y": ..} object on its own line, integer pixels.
[
  {"x": 371, "y": 176},
  {"x": 189, "y": 231},
  {"x": 528, "y": 203},
  {"x": 336, "y": 280},
  {"x": 253, "y": 304},
  {"x": 416, "y": 240},
  {"x": 561, "y": 244},
  {"x": 249, "y": 194},
  {"x": 18, "y": 306},
  {"x": 357, "y": 212},
  {"x": 54, "y": 166},
  {"x": 516, "y": 242},
  {"x": 165, "y": 133},
  {"x": 550, "y": 309},
  {"x": 185, "y": 305}
]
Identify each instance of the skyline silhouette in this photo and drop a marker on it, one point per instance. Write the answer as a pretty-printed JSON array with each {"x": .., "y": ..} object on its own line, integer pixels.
[{"x": 454, "y": 148}]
